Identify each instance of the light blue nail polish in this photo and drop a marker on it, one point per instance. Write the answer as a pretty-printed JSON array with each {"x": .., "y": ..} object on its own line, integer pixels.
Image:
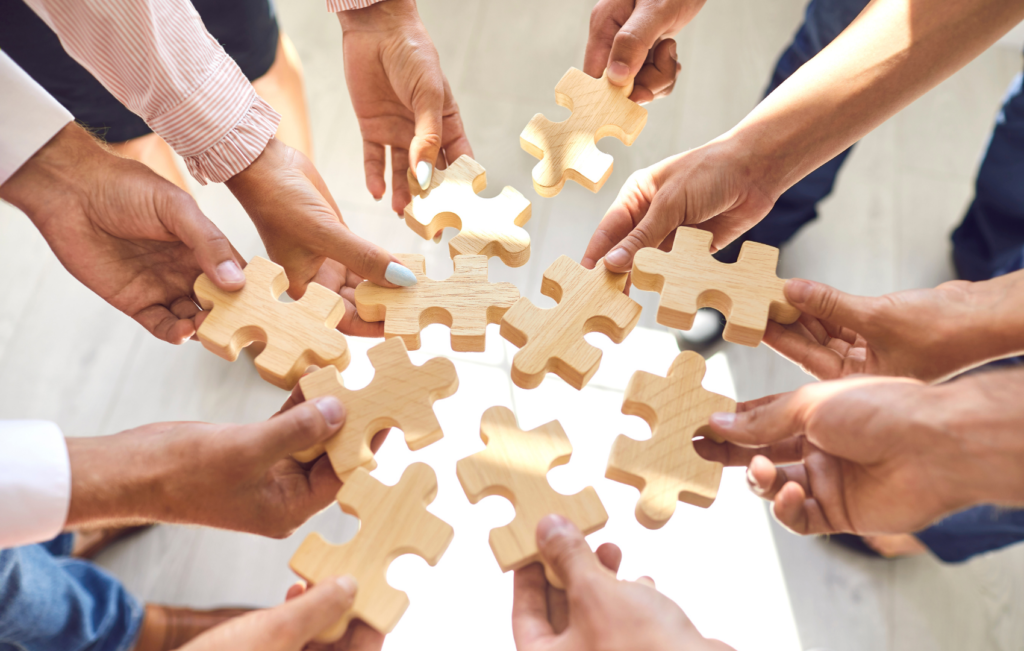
[
  {"x": 399, "y": 275},
  {"x": 424, "y": 171}
]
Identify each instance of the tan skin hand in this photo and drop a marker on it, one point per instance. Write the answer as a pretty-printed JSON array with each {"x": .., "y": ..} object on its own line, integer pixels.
[
  {"x": 133, "y": 238},
  {"x": 400, "y": 95}
]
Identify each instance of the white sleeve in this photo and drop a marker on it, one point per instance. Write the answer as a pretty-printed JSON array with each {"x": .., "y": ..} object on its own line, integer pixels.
[
  {"x": 35, "y": 482},
  {"x": 29, "y": 117}
]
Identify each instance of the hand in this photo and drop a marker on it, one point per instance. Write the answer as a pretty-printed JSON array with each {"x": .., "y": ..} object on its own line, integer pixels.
[
  {"x": 627, "y": 38},
  {"x": 293, "y": 625},
  {"x": 603, "y": 612},
  {"x": 238, "y": 477},
  {"x": 133, "y": 238},
  {"x": 926, "y": 334},
  {"x": 872, "y": 455},
  {"x": 400, "y": 96},
  {"x": 713, "y": 182},
  {"x": 302, "y": 228}
]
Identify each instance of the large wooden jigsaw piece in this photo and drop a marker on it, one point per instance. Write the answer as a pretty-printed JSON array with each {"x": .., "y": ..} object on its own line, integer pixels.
[
  {"x": 552, "y": 340},
  {"x": 393, "y": 520},
  {"x": 568, "y": 149},
  {"x": 296, "y": 334},
  {"x": 747, "y": 292},
  {"x": 515, "y": 466},
  {"x": 401, "y": 395},
  {"x": 491, "y": 227},
  {"x": 465, "y": 302},
  {"x": 666, "y": 468}
]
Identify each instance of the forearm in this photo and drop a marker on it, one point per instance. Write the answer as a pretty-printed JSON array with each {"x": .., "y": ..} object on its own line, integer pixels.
[
  {"x": 999, "y": 308},
  {"x": 893, "y": 53}
]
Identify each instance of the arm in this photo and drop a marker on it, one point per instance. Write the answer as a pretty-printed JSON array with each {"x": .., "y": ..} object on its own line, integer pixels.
[{"x": 888, "y": 57}]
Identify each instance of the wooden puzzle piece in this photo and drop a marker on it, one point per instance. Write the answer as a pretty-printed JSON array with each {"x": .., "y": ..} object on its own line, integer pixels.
[
  {"x": 551, "y": 340},
  {"x": 393, "y": 521},
  {"x": 465, "y": 302},
  {"x": 296, "y": 334},
  {"x": 515, "y": 466},
  {"x": 569, "y": 149},
  {"x": 747, "y": 292},
  {"x": 490, "y": 227},
  {"x": 666, "y": 468},
  {"x": 401, "y": 395}
]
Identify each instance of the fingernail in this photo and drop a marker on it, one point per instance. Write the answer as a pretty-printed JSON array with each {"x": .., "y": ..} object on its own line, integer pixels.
[
  {"x": 312, "y": 368},
  {"x": 330, "y": 408},
  {"x": 551, "y": 526},
  {"x": 348, "y": 583},
  {"x": 617, "y": 258},
  {"x": 437, "y": 238},
  {"x": 399, "y": 275},
  {"x": 618, "y": 73},
  {"x": 424, "y": 171},
  {"x": 752, "y": 483},
  {"x": 377, "y": 199},
  {"x": 798, "y": 290},
  {"x": 723, "y": 419},
  {"x": 230, "y": 272},
  {"x": 672, "y": 50}
]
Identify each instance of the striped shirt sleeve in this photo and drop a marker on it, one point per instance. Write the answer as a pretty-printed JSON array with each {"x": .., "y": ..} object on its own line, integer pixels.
[
  {"x": 345, "y": 5},
  {"x": 156, "y": 58}
]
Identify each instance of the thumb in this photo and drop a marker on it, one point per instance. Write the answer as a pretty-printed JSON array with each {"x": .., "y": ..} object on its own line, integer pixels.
[
  {"x": 631, "y": 45},
  {"x": 216, "y": 257},
  {"x": 660, "y": 221},
  {"x": 768, "y": 423},
  {"x": 828, "y": 303},
  {"x": 299, "y": 428},
  {"x": 563, "y": 548},
  {"x": 427, "y": 105},
  {"x": 300, "y": 619}
]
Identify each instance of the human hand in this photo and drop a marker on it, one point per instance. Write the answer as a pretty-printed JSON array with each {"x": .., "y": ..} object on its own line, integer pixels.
[
  {"x": 400, "y": 96},
  {"x": 602, "y": 612},
  {"x": 627, "y": 37},
  {"x": 135, "y": 239},
  {"x": 926, "y": 334},
  {"x": 302, "y": 228},
  {"x": 711, "y": 187},
  {"x": 293, "y": 625}
]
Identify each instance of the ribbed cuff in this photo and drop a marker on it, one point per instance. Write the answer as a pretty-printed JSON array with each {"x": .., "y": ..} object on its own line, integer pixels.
[{"x": 345, "y": 5}]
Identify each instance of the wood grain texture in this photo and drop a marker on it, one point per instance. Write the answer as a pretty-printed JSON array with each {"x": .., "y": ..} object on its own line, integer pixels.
[
  {"x": 568, "y": 150},
  {"x": 491, "y": 227},
  {"x": 665, "y": 467},
  {"x": 515, "y": 466},
  {"x": 747, "y": 292},
  {"x": 393, "y": 520},
  {"x": 401, "y": 395},
  {"x": 551, "y": 341},
  {"x": 465, "y": 302},
  {"x": 297, "y": 334}
]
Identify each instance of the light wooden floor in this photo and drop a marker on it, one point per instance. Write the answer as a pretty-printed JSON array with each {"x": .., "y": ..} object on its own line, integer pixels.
[{"x": 67, "y": 356}]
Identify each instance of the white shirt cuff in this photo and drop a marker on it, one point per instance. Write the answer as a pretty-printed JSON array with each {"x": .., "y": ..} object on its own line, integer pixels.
[
  {"x": 29, "y": 117},
  {"x": 35, "y": 482}
]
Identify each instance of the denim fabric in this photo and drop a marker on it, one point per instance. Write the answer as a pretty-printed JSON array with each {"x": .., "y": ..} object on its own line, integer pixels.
[
  {"x": 974, "y": 531},
  {"x": 50, "y": 602}
]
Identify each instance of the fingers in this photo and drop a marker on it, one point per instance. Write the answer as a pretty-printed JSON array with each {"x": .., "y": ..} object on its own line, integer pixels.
[
  {"x": 660, "y": 221},
  {"x": 789, "y": 489},
  {"x": 610, "y": 556},
  {"x": 400, "y": 195},
  {"x": 563, "y": 548},
  {"x": 427, "y": 104},
  {"x": 214, "y": 253},
  {"x": 629, "y": 208},
  {"x": 364, "y": 257},
  {"x": 164, "y": 325},
  {"x": 299, "y": 428},
  {"x": 768, "y": 423},
  {"x": 631, "y": 45},
  {"x": 530, "y": 606},
  {"x": 658, "y": 76},
  {"x": 796, "y": 345},
  {"x": 373, "y": 167},
  {"x": 829, "y": 304},
  {"x": 307, "y": 615}
]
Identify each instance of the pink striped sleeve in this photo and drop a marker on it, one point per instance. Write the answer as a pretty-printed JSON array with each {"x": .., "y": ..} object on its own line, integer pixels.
[
  {"x": 157, "y": 58},
  {"x": 345, "y": 5}
]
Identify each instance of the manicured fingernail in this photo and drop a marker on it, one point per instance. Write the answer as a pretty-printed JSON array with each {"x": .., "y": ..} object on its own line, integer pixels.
[
  {"x": 330, "y": 408},
  {"x": 424, "y": 171},
  {"x": 723, "y": 419},
  {"x": 348, "y": 583},
  {"x": 230, "y": 272},
  {"x": 399, "y": 275},
  {"x": 618, "y": 73},
  {"x": 617, "y": 258},
  {"x": 551, "y": 526},
  {"x": 752, "y": 483},
  {"x": 377, "y": 199},
  {"x": 798, "y": 290}
]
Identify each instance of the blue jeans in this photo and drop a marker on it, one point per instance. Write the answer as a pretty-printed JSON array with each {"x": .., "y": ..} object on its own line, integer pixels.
[{"x": 50, "y": 602}]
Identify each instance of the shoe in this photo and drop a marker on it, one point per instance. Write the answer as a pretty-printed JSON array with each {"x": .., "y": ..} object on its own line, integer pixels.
[
  {"x": 165, "y": 628},
  {"x": 88, "y": 544}
]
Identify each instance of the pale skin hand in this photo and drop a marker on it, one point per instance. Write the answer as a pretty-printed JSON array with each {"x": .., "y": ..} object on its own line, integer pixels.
[
  {"x": 926, "y": 334},
  {"x": 877, "y": 455},
  {"x": 135, "y": 239},
  {"x": 293, "y": 625},
  {"x": 400, "y": 96},
  {"x": 596, "y": 611},
  {"x": 627, "y": 38}
]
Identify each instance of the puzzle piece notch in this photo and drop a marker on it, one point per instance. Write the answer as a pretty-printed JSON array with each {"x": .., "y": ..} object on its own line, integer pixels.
[
  {"x": 747, "y": 292},
  {"x": 666, "y": 468},
  {"x": 465, "y": 302},
  {"x": 490, "y": 227},
  {"x": 393, "y": 521},
  {"x": 515, "y": 465},
  {"x": 568, "y": 149},
  {"x": 551, "y": 340},
  {"x": 401, "y": 395},
  {"x": 296, "y": 334}
]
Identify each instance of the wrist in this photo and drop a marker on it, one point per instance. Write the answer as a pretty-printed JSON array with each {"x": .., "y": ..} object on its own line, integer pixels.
[
  {"x": 380, "y": 16},
  {"x": 997, "y": 315},
  {"x": 111, "y": 481}
]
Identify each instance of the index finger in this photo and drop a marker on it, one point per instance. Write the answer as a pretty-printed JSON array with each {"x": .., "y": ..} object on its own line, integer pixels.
[{"x": 530, "y": 606}]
